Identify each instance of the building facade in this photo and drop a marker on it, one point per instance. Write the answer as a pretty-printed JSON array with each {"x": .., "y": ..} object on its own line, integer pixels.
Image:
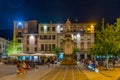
[
  {"x": 3, "y": 46},
  {"x": 41, "y": 37}
]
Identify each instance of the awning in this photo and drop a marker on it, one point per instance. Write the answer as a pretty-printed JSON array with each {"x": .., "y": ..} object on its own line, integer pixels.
[{"x": 36, "y": 54}]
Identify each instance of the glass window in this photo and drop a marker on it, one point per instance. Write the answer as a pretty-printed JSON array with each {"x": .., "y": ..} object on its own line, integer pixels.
[
  {"x": 41, "y": 28},
  {"x": 45, "y": 47},
  {"x": 48, "y": 29},
  {"x": 35, "y": 48},
  {"x": 42, "y": 47},
  {"x": 45, "y": 36},
  {"x": 53, "y": 28},
  {"x": 19, "y": 33},
  {"x": 48, "y": 37},
  {"x": 53, "y": 37},
  {"x": 27, "y": 49},
  {"x": 53, "y": 46}
]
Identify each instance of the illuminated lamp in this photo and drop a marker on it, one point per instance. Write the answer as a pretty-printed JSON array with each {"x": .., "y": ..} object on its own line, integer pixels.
[
  {"x": 31, "y": 37},
  {"x": 58, "y": 26},
  {"x": 20, "y": 23},
  {"x": 92, "y": 26}
]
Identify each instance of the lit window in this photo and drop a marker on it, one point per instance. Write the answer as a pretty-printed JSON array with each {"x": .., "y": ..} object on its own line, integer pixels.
[{"x": 45, "y": 28}]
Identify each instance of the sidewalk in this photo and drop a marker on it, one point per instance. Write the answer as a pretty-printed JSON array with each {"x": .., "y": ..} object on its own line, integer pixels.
[
  {"x": 34, "y": 74},
  {"x": 112, "y": 74},
  {"x": 92, "y": 75}
]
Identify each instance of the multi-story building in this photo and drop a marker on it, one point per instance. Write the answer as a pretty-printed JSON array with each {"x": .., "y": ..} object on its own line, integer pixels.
[
  {"x": 44, "y": 37},
  {"x": 3, "y": 46}
]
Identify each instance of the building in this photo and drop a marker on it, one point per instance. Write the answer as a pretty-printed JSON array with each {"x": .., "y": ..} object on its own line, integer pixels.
[
  {"x": 3, "y": 46},
  {"x": 44, "y": 37}
]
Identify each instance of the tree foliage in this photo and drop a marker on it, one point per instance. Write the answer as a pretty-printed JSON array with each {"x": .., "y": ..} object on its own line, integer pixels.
[
  {"x": 14, "y": 47},
  {"x": 75, "y": 49},
  {"x": 107, "y": 41},
  {"x": 57, "y": 50}
]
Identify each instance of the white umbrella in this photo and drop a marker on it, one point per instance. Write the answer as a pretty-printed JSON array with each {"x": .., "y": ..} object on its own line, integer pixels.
[{"x": 20, "y": 54}]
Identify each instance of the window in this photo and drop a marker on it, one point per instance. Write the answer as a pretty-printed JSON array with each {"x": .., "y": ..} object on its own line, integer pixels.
[
  {"x": 42, "y": 47},
  {"x": 45, "y": 36},
  {"x": 53, "y": 28},
  {"x": 27, "y": 49},
  {"x": 48, "y": 37},
  {"x": 27, "y": 37},
  {"x": 19, "y": 33},
  {"x": 48, "y": 29},
  {"x": 41, "y": 28},
  {"x": 53, "y": 37},
  {"x": 53, "y": 46},
  {"x": 45, "y": 47},
  {"x": 50, "y": 47},
  {"x": 35, "y": 48},
  {"x": 41, "y": 37}
]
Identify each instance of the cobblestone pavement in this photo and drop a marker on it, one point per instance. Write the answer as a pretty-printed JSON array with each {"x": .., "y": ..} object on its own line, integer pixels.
[
  {"x": 110, "y": 73},
  {"x": 34, "y": 74},
  {"x": 62, "y": 72},
  {"x": 6, "y": 70},
  {"x": 71, "y": 72}
]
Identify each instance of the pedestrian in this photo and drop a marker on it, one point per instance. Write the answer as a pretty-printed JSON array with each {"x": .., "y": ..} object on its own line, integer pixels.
[
  {"x": 48, "y": 62},
  {"x": 114, "y": 61}
]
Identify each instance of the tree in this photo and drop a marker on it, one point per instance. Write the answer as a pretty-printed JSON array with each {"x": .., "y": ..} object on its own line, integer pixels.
[
  {"x": 56, "y": 50},
  {"x": 75, "y": 49},
  {"x": 107, "y": 41},
  {"x": 14, "y": 47}
]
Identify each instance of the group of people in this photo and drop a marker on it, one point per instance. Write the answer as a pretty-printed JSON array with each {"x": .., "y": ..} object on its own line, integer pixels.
[
  {"x": 93, "y": 64},
  {"x": 22, "y": 67},
  {"x": 90, "y": 63},
  {"x": 51, "y": 60}
]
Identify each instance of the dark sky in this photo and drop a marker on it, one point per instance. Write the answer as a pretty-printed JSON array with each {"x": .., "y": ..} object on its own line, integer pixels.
[{"x": 57, "y": 10}]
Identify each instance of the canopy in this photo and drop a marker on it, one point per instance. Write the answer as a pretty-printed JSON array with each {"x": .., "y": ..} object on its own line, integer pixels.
[
  {"x": 36, "y": 54},
  {"x": 19, "y": 54}
]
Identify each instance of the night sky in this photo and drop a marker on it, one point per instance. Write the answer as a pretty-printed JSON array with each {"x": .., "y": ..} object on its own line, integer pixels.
[{"x": 57, "y": 11}]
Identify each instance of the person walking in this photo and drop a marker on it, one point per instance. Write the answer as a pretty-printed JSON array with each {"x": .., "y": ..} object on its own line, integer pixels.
[{"x": 114, "y": 61}]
